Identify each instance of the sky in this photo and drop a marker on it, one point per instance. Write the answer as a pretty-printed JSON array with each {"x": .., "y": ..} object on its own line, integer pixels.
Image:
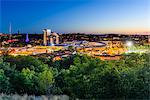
[{"x": 67, "y": 16}]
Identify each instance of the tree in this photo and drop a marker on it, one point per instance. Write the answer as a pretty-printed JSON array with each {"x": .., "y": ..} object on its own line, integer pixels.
[
  {"x": 71, "y": 48},
  {"x": 28, "y": 80},
  {"x": 45, "y": 79},
  {"x": 26, "y": 62},
  {"x": 4, "y": 82}
]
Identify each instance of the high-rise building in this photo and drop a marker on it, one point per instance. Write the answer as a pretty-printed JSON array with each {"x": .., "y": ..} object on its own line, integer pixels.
[
  {"x": 50, "y": 38},
  {"x": 46, "y": 33}
]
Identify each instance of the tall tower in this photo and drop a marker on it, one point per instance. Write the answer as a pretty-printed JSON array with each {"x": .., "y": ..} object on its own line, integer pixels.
[
  {"x": 46, "y": 33},
  {"x": 18, "y": 32},
  {"x": 10, "y": 31},
  {"x": 27, "y": 37}
]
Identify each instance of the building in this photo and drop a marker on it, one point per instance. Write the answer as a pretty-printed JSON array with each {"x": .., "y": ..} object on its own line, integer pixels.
[
  {"x": 50, "y": 38},
  {"x": 149, "y": 39}
]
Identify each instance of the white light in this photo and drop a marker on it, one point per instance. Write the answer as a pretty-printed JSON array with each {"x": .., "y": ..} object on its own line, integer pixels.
[
  {"x": 129, "y": 43},
  {"x": 52, "y": 44},
  {"x": 48, "y": 31}
]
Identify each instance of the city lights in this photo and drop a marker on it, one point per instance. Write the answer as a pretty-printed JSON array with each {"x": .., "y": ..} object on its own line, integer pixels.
[{"x": 129, "y": 43}]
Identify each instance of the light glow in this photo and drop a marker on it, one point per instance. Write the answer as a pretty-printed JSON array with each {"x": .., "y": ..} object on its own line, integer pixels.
[
  {"x": 129, "y": 43},
  {"x": 48, "y": 31}
]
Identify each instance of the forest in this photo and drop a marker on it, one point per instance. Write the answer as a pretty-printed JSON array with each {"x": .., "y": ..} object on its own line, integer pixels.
[{"x": 78, "y": 76}]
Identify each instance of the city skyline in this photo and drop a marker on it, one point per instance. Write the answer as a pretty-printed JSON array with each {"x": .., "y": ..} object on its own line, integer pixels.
[{"x": 84, "y": 16}]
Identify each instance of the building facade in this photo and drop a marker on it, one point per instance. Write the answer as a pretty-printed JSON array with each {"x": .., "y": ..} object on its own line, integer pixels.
[{"x": 50, "y": 38}]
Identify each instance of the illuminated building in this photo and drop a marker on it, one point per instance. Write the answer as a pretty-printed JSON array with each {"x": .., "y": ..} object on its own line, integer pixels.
[
  {"x": 50, "y": 37},
  {"x": 27, "y": 38},
  {"x": 45, "y": 36},
  {"x": 149, "y": 39}
]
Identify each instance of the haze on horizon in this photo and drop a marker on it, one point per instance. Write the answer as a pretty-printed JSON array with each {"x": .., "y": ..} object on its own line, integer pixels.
[{"x": 67, "y": 16}]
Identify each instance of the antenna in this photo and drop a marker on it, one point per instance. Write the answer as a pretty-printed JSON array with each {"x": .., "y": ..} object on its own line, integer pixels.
[{"x": 10, "y": 31}]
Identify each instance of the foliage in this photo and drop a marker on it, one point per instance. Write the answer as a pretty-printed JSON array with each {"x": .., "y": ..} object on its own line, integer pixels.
[
  {"x": 92, "y": 78},
  {"x": 4, "y": 82},
  {"x": 45, "y": 80},
  {"x": 25, "y": 74},
  {"x": 78, "y": 76}
]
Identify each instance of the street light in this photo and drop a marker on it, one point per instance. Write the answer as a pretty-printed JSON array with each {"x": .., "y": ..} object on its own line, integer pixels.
[{"x": 129, "y": 43}]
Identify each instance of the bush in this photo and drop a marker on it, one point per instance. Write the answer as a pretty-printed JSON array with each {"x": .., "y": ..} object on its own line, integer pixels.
[
  {"x": 79, "y": 76},
  {"x": 25, "y": 74},
  {"x": 92, "y": 78}
]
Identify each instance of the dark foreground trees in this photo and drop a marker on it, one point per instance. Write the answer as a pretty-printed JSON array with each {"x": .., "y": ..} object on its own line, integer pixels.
[
  {"x": 93, "y": 78},
  {"x": 24, "y": 74},
  {"x": 78, "y": 76}
]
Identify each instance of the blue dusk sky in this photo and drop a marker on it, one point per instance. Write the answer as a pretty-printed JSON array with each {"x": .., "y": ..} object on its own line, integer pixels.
[{"x": 64, "y": 16}]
